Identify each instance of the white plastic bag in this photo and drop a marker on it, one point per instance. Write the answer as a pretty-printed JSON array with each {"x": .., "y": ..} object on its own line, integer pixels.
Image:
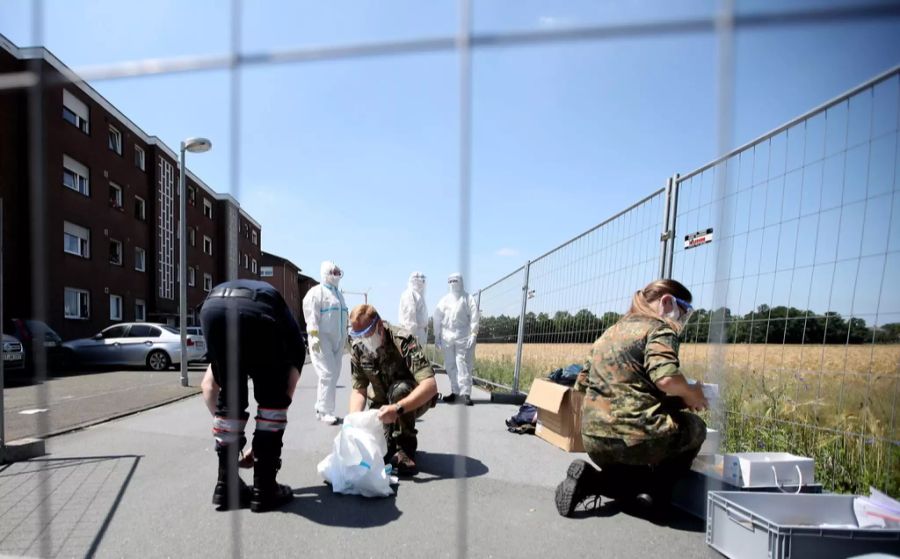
[{"x": 356, "y": 463}]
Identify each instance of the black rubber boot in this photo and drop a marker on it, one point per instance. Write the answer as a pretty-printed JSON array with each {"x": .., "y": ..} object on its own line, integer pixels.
[
  {"x": 582, "y": 482},
  {"x": 228, "y": 473}
]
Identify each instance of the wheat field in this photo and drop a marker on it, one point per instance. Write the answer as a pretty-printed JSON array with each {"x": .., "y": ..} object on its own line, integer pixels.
[{"x": 835, "y": 403}]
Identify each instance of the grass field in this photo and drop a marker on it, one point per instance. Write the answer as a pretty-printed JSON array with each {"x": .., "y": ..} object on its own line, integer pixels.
[{"x": 837, "y": 403}]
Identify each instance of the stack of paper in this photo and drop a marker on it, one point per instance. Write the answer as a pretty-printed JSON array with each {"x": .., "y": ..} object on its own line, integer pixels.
[{"x": 877, "y": 510}]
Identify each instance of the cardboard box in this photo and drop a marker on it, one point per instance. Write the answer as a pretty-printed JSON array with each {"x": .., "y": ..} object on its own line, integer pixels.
[{"x": 559, "y": 414}]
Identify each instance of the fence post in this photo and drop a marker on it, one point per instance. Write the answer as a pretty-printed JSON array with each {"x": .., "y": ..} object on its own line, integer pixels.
[
  {"x": 672, "y": 224},
  {"x": 520, "y": 338},
  {"x": 2, "y": 380},
  {"x": 666, "y": 231}
]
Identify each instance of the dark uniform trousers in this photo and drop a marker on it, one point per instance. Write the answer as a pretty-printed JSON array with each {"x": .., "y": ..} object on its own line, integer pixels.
[
  {"x": 250, "y": 334},
  {"x": 402, "y": 434}
]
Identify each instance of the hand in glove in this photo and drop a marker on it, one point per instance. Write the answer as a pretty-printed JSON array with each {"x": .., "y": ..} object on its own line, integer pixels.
[
  {"x": 314, "y": 344},
  {"x": 470, "y": 341}
]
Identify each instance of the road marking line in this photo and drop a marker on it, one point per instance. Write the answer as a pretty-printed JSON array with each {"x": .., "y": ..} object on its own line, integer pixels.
[{"x": 32, "y": 412}]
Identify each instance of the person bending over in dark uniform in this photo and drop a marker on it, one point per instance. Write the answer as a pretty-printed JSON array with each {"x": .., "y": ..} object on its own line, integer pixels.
[
  {"x": 250, "y": 333},
  {"x": 388, "y": 367},
  {"x": 634, "y": 424}
]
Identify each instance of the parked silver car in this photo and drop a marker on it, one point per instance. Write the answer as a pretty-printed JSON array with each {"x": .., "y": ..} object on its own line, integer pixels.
[
  {"x": 13, "y": 353},
  {"x": 136, "y": 344}
]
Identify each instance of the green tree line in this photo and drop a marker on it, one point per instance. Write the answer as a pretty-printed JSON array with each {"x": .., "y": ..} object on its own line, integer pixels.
[{"x": 765, "y": 324}]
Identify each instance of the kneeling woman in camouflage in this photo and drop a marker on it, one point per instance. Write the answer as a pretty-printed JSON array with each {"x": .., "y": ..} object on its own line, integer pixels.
[{"x": 634, "y": 423}]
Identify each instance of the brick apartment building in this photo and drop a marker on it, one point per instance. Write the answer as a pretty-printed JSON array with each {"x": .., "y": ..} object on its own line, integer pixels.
[
  {"x": 109, "y": 229},
  {"x": 285, "y": 276}
]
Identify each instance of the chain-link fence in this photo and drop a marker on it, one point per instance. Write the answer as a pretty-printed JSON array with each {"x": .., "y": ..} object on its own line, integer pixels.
[{"x": 791, "y": 247}]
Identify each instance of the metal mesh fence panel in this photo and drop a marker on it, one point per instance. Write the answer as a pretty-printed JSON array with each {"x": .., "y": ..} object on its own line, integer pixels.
[
  {"x": 797, "y": 310},
  {"x": 500, "y": 308}
]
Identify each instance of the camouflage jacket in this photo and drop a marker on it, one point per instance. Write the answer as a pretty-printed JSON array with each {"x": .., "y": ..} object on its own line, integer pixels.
[
  {"x": 398, "y": 358},
  {"x": 622, "y": 400}
]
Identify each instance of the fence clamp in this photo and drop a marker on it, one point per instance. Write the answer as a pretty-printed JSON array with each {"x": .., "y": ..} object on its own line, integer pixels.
[{"x": 666, "y": 235}]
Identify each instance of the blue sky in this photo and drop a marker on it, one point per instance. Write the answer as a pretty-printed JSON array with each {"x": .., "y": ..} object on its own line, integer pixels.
[{"x": 357, "y": 160}]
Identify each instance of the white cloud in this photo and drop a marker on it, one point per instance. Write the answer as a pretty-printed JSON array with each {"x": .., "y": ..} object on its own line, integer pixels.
[{"x": 506, "y": 251}]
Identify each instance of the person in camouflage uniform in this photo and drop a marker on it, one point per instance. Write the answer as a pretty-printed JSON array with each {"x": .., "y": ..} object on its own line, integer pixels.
[
  {"x": 389, "y": 369},
  {"x": 634, "y": 424}
]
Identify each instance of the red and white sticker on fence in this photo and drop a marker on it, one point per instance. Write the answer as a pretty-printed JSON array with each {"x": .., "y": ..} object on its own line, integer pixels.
[{"x": 699, "y": 238}]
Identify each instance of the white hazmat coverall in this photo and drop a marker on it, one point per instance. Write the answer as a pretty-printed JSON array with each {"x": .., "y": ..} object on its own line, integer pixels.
[
  {"x": 413, "y": 314},
  {"x": 455, "y": 328},
  {"x": 326, "y": 322}
]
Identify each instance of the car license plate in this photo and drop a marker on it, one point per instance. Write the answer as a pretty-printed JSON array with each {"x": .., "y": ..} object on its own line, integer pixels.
[{"x": 12, "y": 356}]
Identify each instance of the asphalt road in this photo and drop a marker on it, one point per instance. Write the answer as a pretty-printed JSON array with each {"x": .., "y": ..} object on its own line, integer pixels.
[
  {"x": 75, "y": 400},
  {"x": 140, "y": 486}
]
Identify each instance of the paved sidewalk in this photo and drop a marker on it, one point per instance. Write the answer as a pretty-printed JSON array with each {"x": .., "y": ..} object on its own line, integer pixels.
[{"x": 141, "y": 487}]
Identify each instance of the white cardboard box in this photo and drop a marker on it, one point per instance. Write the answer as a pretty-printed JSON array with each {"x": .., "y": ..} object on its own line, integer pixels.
[{"x": 768, "y": 469}]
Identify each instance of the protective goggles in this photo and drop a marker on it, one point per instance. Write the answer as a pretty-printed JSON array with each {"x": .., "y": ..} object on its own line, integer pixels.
[
  {"x": 686, "y": 309},
  {"x": 453, "y": 280},
  {"x": 336, "y": 272},
  {"x": 367, "y": 331}
]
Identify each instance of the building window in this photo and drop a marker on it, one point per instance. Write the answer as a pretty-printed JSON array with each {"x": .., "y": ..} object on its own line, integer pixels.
[
  {"x": 192, "y": 195},
  {"x": 207, "y": 208},
  {"x": 140, "y": 208},
  {"x": 76, "y": 176},
  {"x": 246, "y": 261},
  {"x": 192, "y": 276},
  {"x": 140, "y": 259},
  {"x": 115, "y": 196},
  {"x": 266, "y": 271},
  {"x": 207, "y": 282},
  {"x": 115, "y": 252},
  {"x": 253, "y": 265},
  {"x": 115, "y": 307},
  {"x": 255, "y": 239},
  {"x": 75, "y": 112},
  {"x": 77, "y": 304},
  {"x": 115, "y": 139},
  {"x": 139, "y": 158},
  {"x": 140, "y": 310},
  {"x": 77, "y": 240},
  {"x": 192, "y": 235},
  {"x": 207, "y": 245}
]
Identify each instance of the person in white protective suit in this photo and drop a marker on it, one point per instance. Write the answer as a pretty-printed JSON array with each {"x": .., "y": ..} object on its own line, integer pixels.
[
  {"x": 413, "y": 312},
  {"x": 455, "y": 330},
  {"x": 326, "y": 324}
]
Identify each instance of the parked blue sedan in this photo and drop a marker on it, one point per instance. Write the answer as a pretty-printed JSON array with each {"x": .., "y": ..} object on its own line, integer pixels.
[{"x": 131, "y": 344}]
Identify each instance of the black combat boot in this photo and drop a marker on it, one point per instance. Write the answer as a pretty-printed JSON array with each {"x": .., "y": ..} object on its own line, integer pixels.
[
  {"x": 268, "y": 494},
  {"x": 228, "y": 472},
  {"x": 449, "y": 399},
  {"x": 582, "y": 482}
]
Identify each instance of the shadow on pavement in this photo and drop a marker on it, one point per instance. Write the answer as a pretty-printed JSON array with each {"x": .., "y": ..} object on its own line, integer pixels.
[
  {"x": 61, "y": 506},
  {"x": 322, "y": 506},
  {"x": 670, "y": 518},
  {"x": 434, "y": 466}
]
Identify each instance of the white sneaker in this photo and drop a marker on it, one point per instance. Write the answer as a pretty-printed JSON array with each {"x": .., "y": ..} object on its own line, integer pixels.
[{"x": 327, "y": 418}]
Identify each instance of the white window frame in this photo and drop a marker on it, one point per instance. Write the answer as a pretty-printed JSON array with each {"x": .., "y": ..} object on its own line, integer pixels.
[
  {"x": 140, "y": 158},
  {"x": 192, "y": 276},
  {"x": 192, "y": 236},
  {"x": 253, "y": 267},
  {"x": 266, "y": 271},
  {"x": 83, "y": 302},
  {"x": 80, "y": 112},
  {"x": 115, "y": 303},
  {"x": 207, "y": 282},
  {"x": 81, "y": 175},
  {"x": 117, "y": 193},
  {"x": 207, "y": 240},
  {"x": 114, "y": 139},
  {"x": 140, "y": 305},
  {"x": 142, "y": 204},
  {"x": 254, "y": 237},
  {"x": 121, "y": 254},
  {"x": 246, "y": 261},
  {"x": 207, "y": 208},
  {"x": 83, "y": 237},
  {"x": 140, "y": 259}
]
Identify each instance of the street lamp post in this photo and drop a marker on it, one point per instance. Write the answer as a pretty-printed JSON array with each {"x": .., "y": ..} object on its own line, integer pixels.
[{"x": 193, "y": 145}]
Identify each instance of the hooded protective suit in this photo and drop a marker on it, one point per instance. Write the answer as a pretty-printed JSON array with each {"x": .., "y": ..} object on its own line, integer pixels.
[
  {"x": 455, "y": 329},
  {"x": 413, "y": 314},
  {"x": 326, "y": 323}
]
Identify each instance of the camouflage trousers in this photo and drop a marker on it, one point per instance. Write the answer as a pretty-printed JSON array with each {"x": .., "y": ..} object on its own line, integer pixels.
[
  {"x": 651, "y": 465},
  {"x": 402, "y": 433}
]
